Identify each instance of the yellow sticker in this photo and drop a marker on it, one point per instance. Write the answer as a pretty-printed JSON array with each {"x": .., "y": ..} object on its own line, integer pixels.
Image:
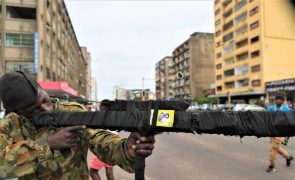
[{"x": 165, "y": 118}]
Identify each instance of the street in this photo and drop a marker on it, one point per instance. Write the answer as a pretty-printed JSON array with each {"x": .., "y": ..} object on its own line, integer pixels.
[{"x": 211, "y": 157}]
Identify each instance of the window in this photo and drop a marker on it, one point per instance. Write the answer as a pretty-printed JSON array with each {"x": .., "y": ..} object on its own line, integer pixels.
[
  {"x": 254, "y": 39},
  {"x": 21, "y": 12},
  {"x": 217, "y": 33},
  {"x": 229, "y": 61},
  {"x": 242, "y": 83},
  {"x": 27, "y": 67},
  {"x": 48, "y": 75},
  {"x": 228, "y": 37},
  {"x": 228, "y": 49},
  {"x": 218, "y": 44},
  {"x": 254, "y": 11},
  {"x": 229, "y": 85},
  {"x": 241, "y": 69},
  {"x": 228, "y": 25},
  {"x": 217, "y": 22},
  {"x": 218, "y": 55},
  {"x": 48, "y": 52},
  {"x": 53, "y": 76},
  {"x": 219, "y": 88},
  {"x": 219, "y": 77},
  {"x": 240, "y": 4},
  {"x": 218, "y": 66},
  {"x": 254, "y": 25},
  {"x": 13, "y": 39},
  {"x": 255, "y": 83},
  {"x": 240, "y": 18},
  {"x": 242, "y": 56},
  {"x": 242, "y": 30},
  {"x": 228, "y": 13},
  {"x": 225, "y": 3},
  {"x": 255, "y": 68},
  {"x": 217, "y": 11},
  {"x": 229, "y": 73},
  {"x": 242, "y": 43},
  {"x": 255, "y": 54}
]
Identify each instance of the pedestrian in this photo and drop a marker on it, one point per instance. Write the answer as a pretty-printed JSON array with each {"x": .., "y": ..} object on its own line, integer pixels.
[
  {"x": 28, "y": 152},
  {"x": 276, "y": 142},
  {"x": 95, "y": 163}
]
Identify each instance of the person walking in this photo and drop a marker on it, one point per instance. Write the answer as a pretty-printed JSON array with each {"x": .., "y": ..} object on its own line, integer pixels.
[{"x": 275, "y": 147}]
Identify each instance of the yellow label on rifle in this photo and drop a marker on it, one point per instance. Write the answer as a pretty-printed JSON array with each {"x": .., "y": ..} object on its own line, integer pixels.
[{"x": 165, "y": 118}]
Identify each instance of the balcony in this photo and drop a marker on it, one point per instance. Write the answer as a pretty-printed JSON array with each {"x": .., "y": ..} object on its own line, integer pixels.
[
  {"x": 242, "y": 54},
  {"x": 240, "y": 5},
  {"x": 243, "y": 83},
  {"x": 19, "y": 53},
  {"x": 241, "y": 70},
  {"x": 20, "y": 25},
  {"x": 32, "y": 3}
]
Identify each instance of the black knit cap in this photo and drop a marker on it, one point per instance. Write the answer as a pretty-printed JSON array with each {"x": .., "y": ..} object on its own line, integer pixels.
[
  {"x": 17, "y": 90},
  {"x": 280, "y": 96}
]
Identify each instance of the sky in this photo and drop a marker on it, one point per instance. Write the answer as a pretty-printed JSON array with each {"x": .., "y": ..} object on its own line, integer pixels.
[{"x": 127, "y": 38}]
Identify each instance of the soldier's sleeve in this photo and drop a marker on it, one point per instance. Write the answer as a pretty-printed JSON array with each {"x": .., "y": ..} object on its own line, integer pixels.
[
  {"x": 19, "y": 157},
  {"x": 110, "y": 148}
]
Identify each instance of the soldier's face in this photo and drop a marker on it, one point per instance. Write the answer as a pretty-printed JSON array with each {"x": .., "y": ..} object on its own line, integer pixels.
[{"x": 42, "y": 104}]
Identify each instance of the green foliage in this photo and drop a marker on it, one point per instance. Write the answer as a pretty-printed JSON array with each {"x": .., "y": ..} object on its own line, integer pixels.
[{"x": 205, "y": 100}]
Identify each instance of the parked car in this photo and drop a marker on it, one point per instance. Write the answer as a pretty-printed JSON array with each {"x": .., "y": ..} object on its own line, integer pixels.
[
  {"x": 248, "y": 107},
  {"x": 253, "y": 107},
  {"x": 240, "y": 107}
]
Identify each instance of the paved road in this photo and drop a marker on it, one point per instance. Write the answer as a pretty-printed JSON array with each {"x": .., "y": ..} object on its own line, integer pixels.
[{"x": 211, "y": 157}]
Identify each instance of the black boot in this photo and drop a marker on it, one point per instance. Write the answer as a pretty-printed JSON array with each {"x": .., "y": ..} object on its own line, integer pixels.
[
  {"x": 289, "y": 161},
  {"x": 271, "y": 169}
]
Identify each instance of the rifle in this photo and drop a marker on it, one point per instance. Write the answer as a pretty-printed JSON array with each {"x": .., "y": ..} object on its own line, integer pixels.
[{"x": 153, "y": 117}]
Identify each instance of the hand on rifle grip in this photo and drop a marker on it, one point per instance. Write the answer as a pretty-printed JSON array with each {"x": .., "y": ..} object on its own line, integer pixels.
[{"x": 142, "y": 145}]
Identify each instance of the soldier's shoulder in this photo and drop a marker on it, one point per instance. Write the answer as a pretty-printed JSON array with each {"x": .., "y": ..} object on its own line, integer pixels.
[
  {"x": 73, "y": 106},
  {"x": 9, "y": 120}
]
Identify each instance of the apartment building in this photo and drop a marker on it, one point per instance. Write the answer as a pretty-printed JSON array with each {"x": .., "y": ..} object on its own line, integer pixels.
[
  {"x": 37, "y": 37},
  {"x": 193, "y": 66},
  {"x": 254, "y": 44},
  {"x": 164, "y": 77},
  {"x": 87, "y": 57}
]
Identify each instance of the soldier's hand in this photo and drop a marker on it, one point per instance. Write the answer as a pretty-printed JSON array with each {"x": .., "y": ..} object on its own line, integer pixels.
[
  {"x": 142, "y": 145},
  {"x": 65, "y": 138}
]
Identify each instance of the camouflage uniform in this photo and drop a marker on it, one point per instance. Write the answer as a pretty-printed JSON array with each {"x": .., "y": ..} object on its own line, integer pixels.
[{"x": 25, "y": 153}]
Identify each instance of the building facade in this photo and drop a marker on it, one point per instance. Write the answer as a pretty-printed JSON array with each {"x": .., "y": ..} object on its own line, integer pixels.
[
  {"x": 254, "y": 44},
  {"x": 193, "y": 66},
  {"x": 93, "y": 96},
  {"x": 164, "y": 77},
  {"x": 87, "y": 57},
  {"x": 37, "y": 37}
]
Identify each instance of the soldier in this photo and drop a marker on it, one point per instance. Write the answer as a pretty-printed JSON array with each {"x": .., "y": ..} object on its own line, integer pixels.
[
  {"x": 276, "y": 142},
  {"x": 30, "y": 153}
]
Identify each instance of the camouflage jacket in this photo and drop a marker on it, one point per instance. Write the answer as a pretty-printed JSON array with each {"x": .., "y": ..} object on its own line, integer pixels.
[{"x": 25, "y": 153}]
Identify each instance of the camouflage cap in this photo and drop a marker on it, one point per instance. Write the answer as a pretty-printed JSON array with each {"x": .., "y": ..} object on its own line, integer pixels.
[{"x": 17, "y": 90}]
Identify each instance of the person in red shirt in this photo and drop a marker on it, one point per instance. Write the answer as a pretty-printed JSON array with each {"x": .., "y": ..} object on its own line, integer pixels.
[{"x": 95, "y": 163}]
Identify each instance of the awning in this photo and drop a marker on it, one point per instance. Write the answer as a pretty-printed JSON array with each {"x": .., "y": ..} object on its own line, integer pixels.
[
  {"x": 255, "y": 93},
  {"x": 58, "y": 88}
]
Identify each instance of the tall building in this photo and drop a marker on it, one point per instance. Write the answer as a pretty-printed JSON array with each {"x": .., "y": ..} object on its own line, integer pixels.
[
  {"x": 254, "y": 44},
  {"x": 87, "y": 57},
  {"x": 193, "y": 65},
  {"x": 120, "y": 93},
  {"x": 93, "y": 96},
  {"x": 164, "y": 77},
  {"x": 37, "y": 37}
]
